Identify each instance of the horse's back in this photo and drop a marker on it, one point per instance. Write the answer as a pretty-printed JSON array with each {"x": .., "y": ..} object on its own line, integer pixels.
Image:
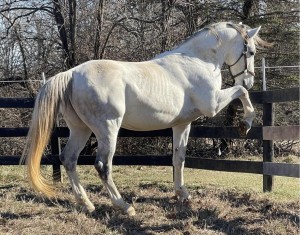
[
  {"x": 148, "y": 95},
  {"x": 142, "y": 93}
]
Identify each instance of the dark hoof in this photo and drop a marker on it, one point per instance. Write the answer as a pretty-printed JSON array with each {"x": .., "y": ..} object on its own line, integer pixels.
[{"x": 243, "y": 129}]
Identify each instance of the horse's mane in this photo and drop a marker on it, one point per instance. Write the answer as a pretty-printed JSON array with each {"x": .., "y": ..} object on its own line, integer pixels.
[
  {"x": 259, "y": 42},
  {"x": 241, "y": 28}
]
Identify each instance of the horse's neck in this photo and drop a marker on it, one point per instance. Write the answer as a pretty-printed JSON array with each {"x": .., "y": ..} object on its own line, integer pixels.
[{"x": 206, "y": 47}]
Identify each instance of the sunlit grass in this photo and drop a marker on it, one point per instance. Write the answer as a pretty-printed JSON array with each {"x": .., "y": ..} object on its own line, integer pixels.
[
  {"x": 284, "y": 188},
  {"x": 220, "y": 201}
]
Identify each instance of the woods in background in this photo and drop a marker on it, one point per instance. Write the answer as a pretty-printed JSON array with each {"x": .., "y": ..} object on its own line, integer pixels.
[{"x": 50, "y": 36}]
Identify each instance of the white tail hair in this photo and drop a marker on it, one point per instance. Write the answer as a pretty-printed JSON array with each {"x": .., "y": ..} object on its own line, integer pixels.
[{"x": 51, "y": 95}]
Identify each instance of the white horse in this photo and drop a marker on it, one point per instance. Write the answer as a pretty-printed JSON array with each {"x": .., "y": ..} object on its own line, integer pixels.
[{"x": 169, "y": 91}]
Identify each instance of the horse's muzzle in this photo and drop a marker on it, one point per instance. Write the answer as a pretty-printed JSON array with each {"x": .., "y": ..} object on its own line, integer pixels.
[{"x": 248, "y": 84}]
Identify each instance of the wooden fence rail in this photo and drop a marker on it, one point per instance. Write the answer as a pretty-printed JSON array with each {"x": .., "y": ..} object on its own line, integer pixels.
[{"x": 267, "y": 133}]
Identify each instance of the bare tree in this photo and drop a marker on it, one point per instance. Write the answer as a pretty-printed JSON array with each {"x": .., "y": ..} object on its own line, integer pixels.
[
  {"x": 99, "y": 26},
  {"x": 68, "y": 41}
]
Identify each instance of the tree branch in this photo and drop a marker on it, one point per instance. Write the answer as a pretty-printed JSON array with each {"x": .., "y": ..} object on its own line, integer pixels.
[
  {"x": 33, "y": 9},
  {"x": 116, "y": 23}
]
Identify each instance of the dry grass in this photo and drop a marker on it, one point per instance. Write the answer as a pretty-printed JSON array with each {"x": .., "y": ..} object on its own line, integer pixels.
[{"x": 223, "y": 203}]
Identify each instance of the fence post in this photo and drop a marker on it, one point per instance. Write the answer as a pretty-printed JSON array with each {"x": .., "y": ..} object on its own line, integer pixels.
[
  {"x": 268, "y": 145},
  {"x": 263, "y": 70},
  {"x": 56, "y": 150}
]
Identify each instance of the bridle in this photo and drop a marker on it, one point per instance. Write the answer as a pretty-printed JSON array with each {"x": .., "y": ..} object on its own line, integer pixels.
[{"x": 244, "y": 54}]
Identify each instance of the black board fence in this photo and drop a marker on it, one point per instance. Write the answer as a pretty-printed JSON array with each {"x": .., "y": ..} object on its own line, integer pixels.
[{"x": 268, "y": 133}]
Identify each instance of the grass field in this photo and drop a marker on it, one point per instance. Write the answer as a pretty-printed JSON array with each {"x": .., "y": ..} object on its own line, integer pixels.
[{"x": 222, "y": 203}]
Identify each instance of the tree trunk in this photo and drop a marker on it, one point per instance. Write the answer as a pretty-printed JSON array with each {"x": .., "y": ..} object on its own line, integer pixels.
[
  {"x": 164, "y": 25},
  {"x": 27, "y": 85},
  {"x": 60, "y": 22},
  {"x": 247, "y": 8},
  {"x": 191, "y": 16},
  {"x": 99, "y": 17},
  {"x": 72, "y": 22}
]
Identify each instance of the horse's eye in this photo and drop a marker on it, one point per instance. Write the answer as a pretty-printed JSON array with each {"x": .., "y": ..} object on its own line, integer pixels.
[{"x": 251, "y": 53}]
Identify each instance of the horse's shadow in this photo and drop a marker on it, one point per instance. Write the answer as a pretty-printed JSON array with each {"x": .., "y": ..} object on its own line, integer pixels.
[
  {"x": 13, "y": 216},
  {"x": 26, "y": 196},
  {"x": 118, "y": 221},
  {"x": 178, "y": 214}
]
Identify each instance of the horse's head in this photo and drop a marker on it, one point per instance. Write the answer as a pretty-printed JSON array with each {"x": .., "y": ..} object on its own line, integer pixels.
[{"x": 241, "y": 57}]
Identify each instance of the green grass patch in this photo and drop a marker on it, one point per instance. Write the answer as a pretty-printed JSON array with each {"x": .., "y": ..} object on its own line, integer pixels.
[
  {"x": 284, "y": 188},
  {"x": 222, "y": 203}
]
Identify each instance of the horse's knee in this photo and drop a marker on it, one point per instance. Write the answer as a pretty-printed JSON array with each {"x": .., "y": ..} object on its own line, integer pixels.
[
  {"x": 179, "y": 157},
  {"x": 102, "y": 169}
]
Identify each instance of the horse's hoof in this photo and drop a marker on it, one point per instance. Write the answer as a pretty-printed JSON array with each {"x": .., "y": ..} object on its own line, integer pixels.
[
  {"x": 182, "y": 194},
  {"x": 90, "y": 210},
  {"x": 130, "y": 211},
  {"x": 243, "y": 129},
  {"x": 186, "y": 201},
  {"x": 85, "y": 209},
  {"x": 183, "y": 200}
]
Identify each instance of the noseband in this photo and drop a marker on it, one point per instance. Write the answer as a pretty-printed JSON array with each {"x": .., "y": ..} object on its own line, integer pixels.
[{"x": 244, "y": 54}]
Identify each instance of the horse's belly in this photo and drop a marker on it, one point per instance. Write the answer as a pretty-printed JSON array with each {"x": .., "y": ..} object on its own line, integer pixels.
[{"x": 142, "y": 120}]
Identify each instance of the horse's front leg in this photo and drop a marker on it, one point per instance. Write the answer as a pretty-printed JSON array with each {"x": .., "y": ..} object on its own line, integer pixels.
[
  {"x": 224, "y": 97},
  {"x": 180, "y": 139},
  {"x": 249, "y": 114}
]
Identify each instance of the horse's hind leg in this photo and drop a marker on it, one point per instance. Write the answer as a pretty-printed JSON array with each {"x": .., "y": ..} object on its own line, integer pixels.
[
  {"x": 79, "y": 134},
  {"x": 107, "y": 139},
  {"x": 180, "y": 139}
]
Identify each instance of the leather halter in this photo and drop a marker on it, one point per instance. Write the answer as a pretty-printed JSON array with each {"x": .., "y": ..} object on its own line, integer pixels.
[{"x": 244, "y": 54}]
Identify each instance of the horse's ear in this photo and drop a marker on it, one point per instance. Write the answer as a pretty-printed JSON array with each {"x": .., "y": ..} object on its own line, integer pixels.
[{"x": 253, "y": 32}]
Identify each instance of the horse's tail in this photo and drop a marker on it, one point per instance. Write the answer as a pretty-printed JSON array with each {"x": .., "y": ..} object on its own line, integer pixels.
[{"x": 55, "y": 92}]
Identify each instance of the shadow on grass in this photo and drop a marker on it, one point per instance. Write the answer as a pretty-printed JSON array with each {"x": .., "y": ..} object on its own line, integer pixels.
[
  {"x": 7, "y": 187},
  {"x": 116, "y": 221},
  {"x": 178, "y": 215},
  {"x": 13, "y": 216},
  {"x": 6, "y": 217},
  {"x": 210, "y": 219},
  {"x": 264, "y": 207},
  {"x": 26, "y": 196},
  {"x": 202, "y": 217},
  {"x": 92, "y": 188}
]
